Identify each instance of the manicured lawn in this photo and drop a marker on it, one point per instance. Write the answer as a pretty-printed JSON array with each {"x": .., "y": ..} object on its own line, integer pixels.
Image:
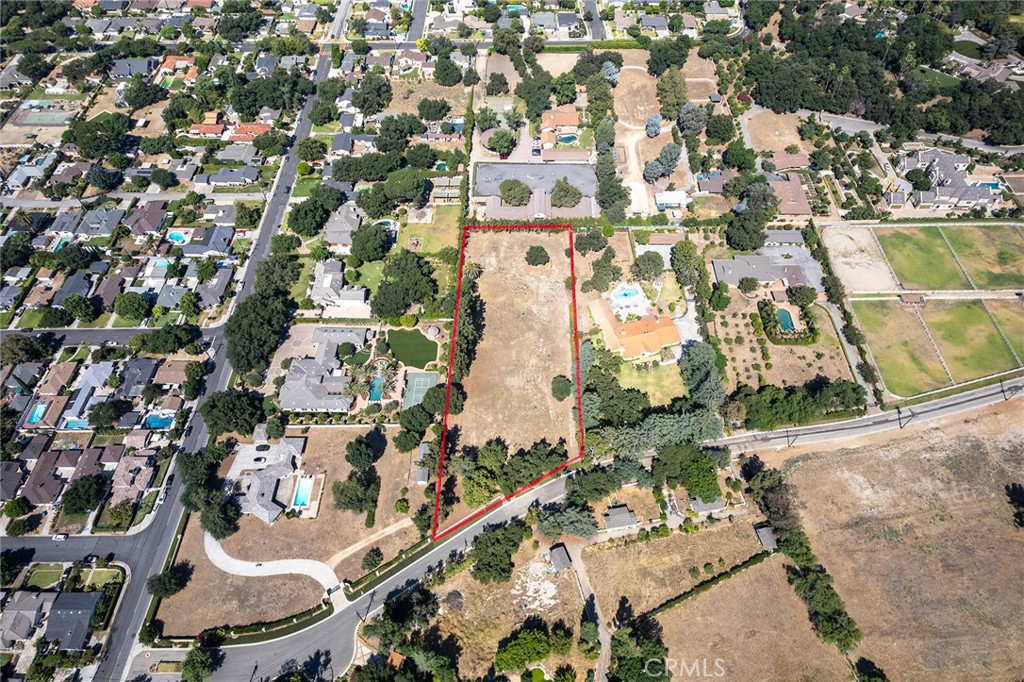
[
  {"x": 99, "y": 322},
  {"x": 145, "y": 506},
  {"x": 1010, "y": 317},
  {"x": 905, "y": 357},
  {"x": 31, "y": 318},
  {"x": 240, "y": 247},
  {"x": 358, "y": 358},
  {"x": 411, "y": 347},
  {"x": 936, "y": 78},
  {"x": 102, "y": 576},
  {"x": 161, "y": 471},
  {"x": 967, "y": 339},
  {"x": 370, "y": 275},
  {"x": 304, "y": 186},
  {"x": 301, "y": 285},
  {"x": 442, "y": 231},
  {"x": 921, "y": 259},
  {"x": 968, "y": 48},
  {"x": 993, "y": 255},
  {"x": 124, "y": 322},
  {"x": 44, "y": 575},
  {"x": 662, "y": 384}
]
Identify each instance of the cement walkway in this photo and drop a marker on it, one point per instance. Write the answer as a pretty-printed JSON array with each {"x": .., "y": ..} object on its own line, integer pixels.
[{"x": 317, "y": 570}]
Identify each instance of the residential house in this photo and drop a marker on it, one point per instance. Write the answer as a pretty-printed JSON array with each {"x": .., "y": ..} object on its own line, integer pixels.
[
  {"x": 330, "y": 291},
  {"x": 113, "y": 284},
  {"x": 68, "y": 622},
  {"x": 240, "y": 153},
  {"x": 57, "y": 379},
  {"x": 91, "y": 381},
  {"x": 11, "y": 78},
  {"x": 381, "y": 59},
  {"x": 264, "y": 66},
  {"x": 212, "y": 291},
  {"x": 12, "y": 475},
  {"x": 949, "y": 177},
  {"x": 131, "y": 478},
  {"x": 99, "y": 222},
  {"x": 28, "y": 171},
  {"x": 43, "y": 486},
  {"x": 229, "y": 177},
  {"x": 210, "y": 241},
  {"x": 79, "y": 283},
  {"x": 146, "y": 220},
  {"x": 123, "y": 70},
  {"x": 209, "y": 131},
  {"x": 546, "y": 22},
  {"x": 220, "y": 214},
  {"x": 618, "y": 517},
  {"x": 318, "y": 384},
  {"x": 136, "y": 375},
  {"x": 634, "y": 339},
  {"x": 23, "y": 613},
  {"x": 170, "y": 374},
  {"x": 790, "y": 191},
  {"x": 69, "y": 173},
  {"x": 338, "y": 231},
  {"x": 655, "y": 23},
  {"x": 247, "y": 132},
  {"x": 765, "y": 269}
]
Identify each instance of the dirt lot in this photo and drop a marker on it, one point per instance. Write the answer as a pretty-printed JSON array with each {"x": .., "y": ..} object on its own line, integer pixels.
[
  {"x": 635, "y": 96},
  {"x": 756, "y": 626},
  {"x": 557, "y": 63},
  {"x": 214, "y": 598},
  {"x": 153, "y": 114},
  {"x": 499, "y": 63},
  {"x": 774, "y": 132},
  {"x": 639, "y": 500},
  {"x": 698, "y": 67},
  {"x": 104, "y": 102},
  {"x": 918, "y": 533},
  {"x": 408, "y": 93},
  {"x": 634, "y": 58},
  {"x": 858, "y": 259},
  {"x": 490, "y": 613},
  {"x": 335, "y": 537},
  {"x": 791, "y": 365},
  {"x": 526, "y": 342},
  {"x": 646, "y": 574}
]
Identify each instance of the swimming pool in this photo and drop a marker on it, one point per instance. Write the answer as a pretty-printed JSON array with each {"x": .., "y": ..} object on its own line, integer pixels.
[
  {"x": 567, "y": 138},
  {"x": 627, "y": 292},
  {"x": 37, "y": 413},
  {"x": 155, "y": 421},
  {"x": 162, "y": 263},
  {"x": 785, "y": 320},
  {"x": 376, "y": 388},
  {"x": 303, "y": 491},
  {"x": 76, "y": 424},
  {"x": 177, "y": 237},
  {"x": 991, "y": 185},
  {"x": 441, "y": 165}
]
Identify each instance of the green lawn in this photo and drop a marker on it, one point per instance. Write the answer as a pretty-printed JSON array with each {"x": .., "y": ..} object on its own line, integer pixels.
[
  {"x": 921, "y": 258},
  {"x": 240, "y": 247},
  {"x": 993, "y": 255},
  {"x": 304, "y": 186},
  {"x": 102, "y": 576},
  {"x": 932, "y": 77},
  {"x": 100, "y": 321},
  {"x": 358, "y": 358},
  {"x": 161, "y": 471},
  {"x": 124, "y": 322},
  {"x": 662, "y": 384},
  {"x": 968, "y": 48},
  {"x": 900, "y": 346},
  {"x": 301, "y": 285},
  {"x": 31, "y": 318},
  {"x": 967, "y": 339},
  {"x": 145, "y": 506},
  {"x": 411, "y": 347},
  {"x": 370, "y": 275},
  {"x": 44, "y": 575},
  {"x": 1010, "y": 317},
  {"x": 444, "y": 230}
]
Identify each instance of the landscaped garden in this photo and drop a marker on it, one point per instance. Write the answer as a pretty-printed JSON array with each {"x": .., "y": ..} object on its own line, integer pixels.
[{"x": 412, "y": 348}]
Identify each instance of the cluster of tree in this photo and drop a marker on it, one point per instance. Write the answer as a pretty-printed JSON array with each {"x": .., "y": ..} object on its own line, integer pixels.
[
  {"x": 746, "y": 229},
  {"x": 402, "y": 185},
  {"x": 232, "y": 411},
  {"x": 488, "y": 470},
  {"x": 601, "y": 481},
  {"x": 99, "y": 136},
  {"x": 667, "y": 53},
  {"x": 204, "y": 491},
  {"x": 532, "y": 643},
  {"x": 324, "y": 110},
  {"x": 373, "y": 94},
  {"x": 637, "y": 652},
  {"x": 604, "y": 272},
  {"x": 555, "y": 520},
  {"x": 256, "y": 328},
  {"x": 470, "y": 326},
  {"x": 493, "y": 549},
  {"x": 769, "y": 407},
  {"x": 700, "y": 368},
  {"x": 665, "y": 164},
  {"x": 141, "y": 93},
  {"x": 84, "y": 494},
  {"x": 310, "y": 216},
  {"x": 406, "y": 280},
  {"x": 411, "y": 610},
  {"x": 169, "y": 581},
  {"x": 166, "y": 340},
  {"x": 282, "y": 89},
  {"x": 693, "y": 468},
  {"x": 809, "y": 578},
  {"x": 238, "y": 20},
  {"x": 359, "y": 492},
  {"x": 612, "y": 195}
]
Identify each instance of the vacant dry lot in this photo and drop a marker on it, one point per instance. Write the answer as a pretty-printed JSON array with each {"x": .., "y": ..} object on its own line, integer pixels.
[
  {"x": 857, "y": 259},
  {"x": 698, "y": 67},
  {"x": 993, "y": 255},
  {"x": 635, "y": 96},
  {"x": 408, "y": 93},
  {"x": 480, "y": 616},
  {"x": 526, "y": 342},
  {"x": 642, "y": 575},
  {"x": 969, "y": 342},
  {"x": 917, "y": 531},
  {"x": 337, "y": 537},
  {"x": 756, "y": 625},
  {"x": 213, "y": 597},
  {"x": 899, "y": 344},
  {"x": 774, "y": 132},
  {"x": 557, "y": 63}
]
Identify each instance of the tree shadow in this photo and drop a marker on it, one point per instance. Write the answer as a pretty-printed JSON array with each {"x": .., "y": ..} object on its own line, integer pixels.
[
  {"x": 1015, "y": 496},
  {"x": 318, "y": 666},
  {"x": 378, "y": 442},
  {"x": 867, "y": 671},
  {"x": 624, "y": 613},
  {"x": 435, "y": 641},
  {"x": 751, "y": 467}
]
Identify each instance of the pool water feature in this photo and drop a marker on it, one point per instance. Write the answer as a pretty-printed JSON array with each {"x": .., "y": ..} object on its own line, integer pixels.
[
  {"x": 37, "y": 413},
  {"x": 376, "y": 388},
  {"x": 156, "y": 421},
  {"x": 177, "y": 237},
  {"x": 567, "y": 138},
  {"x": 303, "y": 492},
  {"x": 785, "y": 320}
]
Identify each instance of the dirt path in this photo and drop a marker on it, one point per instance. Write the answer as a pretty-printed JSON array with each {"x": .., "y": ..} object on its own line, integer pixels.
[
  {"x": 639, "y": 201},
  {"x": 338, "y": 557}
]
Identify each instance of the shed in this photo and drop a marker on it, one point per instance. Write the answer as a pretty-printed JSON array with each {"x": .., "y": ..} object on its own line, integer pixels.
[
  {"x": 619, "y": 517},
  {"x": 766, "y": 536},
  {"x": 559, "y": 557}
]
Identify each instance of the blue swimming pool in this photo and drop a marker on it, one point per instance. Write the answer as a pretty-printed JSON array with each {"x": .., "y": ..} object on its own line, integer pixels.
[
  {"x": 76, "y": 424},
  {"x": 155, "y": 421},
  {"x": 567, "y": 138},
  {"x": 376, "y": 388},
  {"x": 441, "y": 165},
  {"x": 785, "y": 320},
  {"x": 992, "y": 185},
  {"x": 37, "y": 413},
  {"x": 177, "y": 237},
  {"x": 303, "y": 491}
]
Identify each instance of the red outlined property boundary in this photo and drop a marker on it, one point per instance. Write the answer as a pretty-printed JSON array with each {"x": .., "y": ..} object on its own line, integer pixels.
[{"x": 448, "y": 389}]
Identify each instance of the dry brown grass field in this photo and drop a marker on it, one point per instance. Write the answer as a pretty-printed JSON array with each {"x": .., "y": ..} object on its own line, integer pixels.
[
  {"x": 755, "y": 626},
  {"x": 774, "y": 132},
  {"x": 337, "y": 537},
  {"x": 635, "y": 96},
  {"x": 918, "y": 532}
]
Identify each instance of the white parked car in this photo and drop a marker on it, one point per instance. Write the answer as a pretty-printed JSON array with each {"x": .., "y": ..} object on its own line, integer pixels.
[{"x": 60, "y": 538}]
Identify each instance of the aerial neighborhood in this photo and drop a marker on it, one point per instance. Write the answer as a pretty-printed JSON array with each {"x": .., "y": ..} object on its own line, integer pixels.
[{"x": 553, "y": 340}]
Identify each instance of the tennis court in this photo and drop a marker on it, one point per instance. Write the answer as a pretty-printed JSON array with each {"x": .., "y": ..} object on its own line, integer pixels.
[
  {"x": 416, "y": 384},
  {"x": 45, "y": 118}
]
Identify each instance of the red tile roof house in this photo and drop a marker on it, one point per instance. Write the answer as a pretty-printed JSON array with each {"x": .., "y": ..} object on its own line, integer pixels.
[
  {"x": 211, "y": 131},
  {"x": 247, "y": 132}
]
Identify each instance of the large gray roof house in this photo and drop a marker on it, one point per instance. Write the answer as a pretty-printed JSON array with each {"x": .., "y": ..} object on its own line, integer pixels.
[{"x": 318, "y": 384}]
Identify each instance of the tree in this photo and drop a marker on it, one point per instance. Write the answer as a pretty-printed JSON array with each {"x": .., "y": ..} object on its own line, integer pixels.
[
  {"x": 373, "y": 94},
  {"x": 433, "y": 109},
  {"x": 55, "y": 317},
  {"x": 100, "y": 135},
  {"x": 104, "y": 414},
  {"x": 497, "y": 84},
  {"x": 654, "y": 170},
  {"x": 493, "y": 549},
  {"x": 421, "y": 156},
  {"x": 103, "y": 179},
  {"x": 323, "y": 111},
  {"x": 610, "y": 72},
  {"x": 405, "y": 184},
  {"x": 271, "y": 143},
  {"x": 163, "y": 178},
  {"x": 801, "y": 295},
  {"x": 692, "y": 119},
  {"x": 564, "y": 194},
  {"x": 653, "y": 127},
  {"x": 502, "y": 142},
  {"x": 370, "y": 242},
  {"x": 446, "y": 73},
  {"x": 561, "y": 387},
  {"x": 667, "y": 53},
  {"x": 746, "y": 231},
  {"x": 555, "y": 521},
  {"x": 372, "y": 559},
  {"x": 529, "y": 645},
  {"x": 720, "y": 129},
  {"x": 738, "y": 156},
  {"x": 565, "y": 88},
  {"x": 141, "y": 93},
  {"x": 719, "y": 296},
  {"x": 599, "y": 97},
  {"x": 232, "y": 410},
  {"x": 18, "y": 348},
  {"x": 17, "y": 507},
  {"x": 190, "y": 306},
  {"x": 514, "y": 192},
  {"x": 406, "y": 279},
  {"x": 169, "y": 581},
  {"x": 197, "y": 666},
  {"x": 82, "y": 308},
  {"x": 84, "y": 494},
  {"x": 359, "y": 453},
  {"x": 698, "y": 366},
  {"x": 537, "y": 255},
  {"x": 748, "y": 285},
  {"x": 919, "y": 179},
  {"x": 310, "y": 149},
  {"x": 375, "y": 202},
  {"x": 671, "y": 89},
  {"x": 133, "y": 306},
  {"x": 648, "y": 265},
  {"x": 33, "y": 66}
]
